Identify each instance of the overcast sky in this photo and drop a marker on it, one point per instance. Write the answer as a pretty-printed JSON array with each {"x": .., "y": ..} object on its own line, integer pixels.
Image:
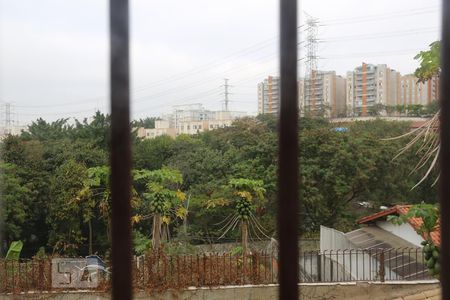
[{"x": 54, "y": 53}]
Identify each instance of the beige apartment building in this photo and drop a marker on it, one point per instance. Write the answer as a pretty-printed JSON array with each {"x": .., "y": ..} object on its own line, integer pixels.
[
  {"x": 371, "y": 85},
  {"x": 323, "y": 93},
  {"x": 326, "y": 92},
  {"x": 269, "y": 95},
  {"x": 162, "y": 127},
  {"x": 413, "y": 92}
]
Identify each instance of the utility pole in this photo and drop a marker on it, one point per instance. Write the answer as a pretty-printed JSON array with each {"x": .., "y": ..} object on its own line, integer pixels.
[{"x": 311, "y": 62}]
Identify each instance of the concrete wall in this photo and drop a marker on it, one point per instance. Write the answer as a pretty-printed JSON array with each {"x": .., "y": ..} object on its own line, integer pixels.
[
  {"x": 355, "y": 263},
  {"x": 354, "y": 291},
  {"x": 404, "y": 231},
  {"x": 332, "y": 239}
]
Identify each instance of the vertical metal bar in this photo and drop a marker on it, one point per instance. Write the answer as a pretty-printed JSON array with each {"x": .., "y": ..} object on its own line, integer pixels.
[
  {"x": 444, "y": 152},
  {"x": 382, "y": 269},
  {"x": 120, "y": 150},
  {"x": 198, "y": 271},
  {"x": 331, "y": 266},
  {"x": 363, "y": 269},
  {"x": 265, "y": 266},
  {"x": 231, "y": 268},
  {"x": 370, "y": 264},
  {"x": 204, "y": 268},
  {"x": 319, "y": 267},
  {"x": 191, "y": 282},
  {"x": 350, "y": 259},
  {"x": 288, "y": 178}
]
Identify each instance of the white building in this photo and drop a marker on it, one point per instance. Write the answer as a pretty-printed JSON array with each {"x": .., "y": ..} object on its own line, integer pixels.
[
  {"x": 11, "y": 130},
  {"x": 190, "y": 119}
]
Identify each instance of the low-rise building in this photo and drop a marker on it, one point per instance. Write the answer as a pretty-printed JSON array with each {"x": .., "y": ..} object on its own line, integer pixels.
[
  {"x": 162, "y": 127},
  {"x": 190, "y": 119}
]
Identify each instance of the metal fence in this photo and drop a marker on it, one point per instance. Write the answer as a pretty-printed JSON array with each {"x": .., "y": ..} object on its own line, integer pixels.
[{"x": 159, "y": 271}]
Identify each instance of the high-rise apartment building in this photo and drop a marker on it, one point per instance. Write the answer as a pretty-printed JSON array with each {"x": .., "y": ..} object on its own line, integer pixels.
[
  {"x": 269, "y": 95},
  {"x": 301, "y": 96},
  {"x": 414, "y": 92},
  {"x": 369, "y": 86},
  {"x": 323, "y": 93}
]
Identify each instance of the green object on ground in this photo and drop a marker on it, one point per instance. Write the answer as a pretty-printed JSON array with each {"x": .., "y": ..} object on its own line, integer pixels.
[{"x": 14, "y": 250}]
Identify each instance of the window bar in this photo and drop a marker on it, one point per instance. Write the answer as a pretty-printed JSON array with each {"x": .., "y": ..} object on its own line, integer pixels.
[
  {"x": 444, "y": 153},
  {"x": 288, "y": 169},
  {"x": 120, "y": 150}
]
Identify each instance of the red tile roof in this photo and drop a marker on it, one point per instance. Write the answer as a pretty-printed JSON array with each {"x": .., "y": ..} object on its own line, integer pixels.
[{"x": 401, "y": 210}]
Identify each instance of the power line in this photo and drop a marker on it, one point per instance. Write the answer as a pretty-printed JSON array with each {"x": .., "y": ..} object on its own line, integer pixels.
[
  {"x": 380, "y": 35},
  {"x": 372, "y": 54},
  {"x": 379, "y": 17}
]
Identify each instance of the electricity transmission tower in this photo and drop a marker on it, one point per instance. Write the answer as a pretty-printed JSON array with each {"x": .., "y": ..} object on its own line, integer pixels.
[
  {"x": 226, "y": 94},
  {"x": 5, "y": 118},
  {"x": 311, "y": 46}
]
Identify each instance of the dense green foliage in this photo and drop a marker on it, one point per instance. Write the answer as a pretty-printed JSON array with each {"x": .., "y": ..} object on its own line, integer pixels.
[
  {"x": 54, "y": 179},
  {"x": 430, "y": 62}
]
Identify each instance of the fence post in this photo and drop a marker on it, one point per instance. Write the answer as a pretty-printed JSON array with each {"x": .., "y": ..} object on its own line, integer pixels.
[
  {"x": 382, "y": 271},
  {"x": 331, "y": 266},
  {"x": 319, "y": 267},
  {"x": 254, "y": 268}
]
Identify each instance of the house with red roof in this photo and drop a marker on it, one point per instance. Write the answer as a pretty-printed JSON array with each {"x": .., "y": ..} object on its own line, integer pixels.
[
  {"x": 400, "y": 245},
  {"x": 406, "y": 231}
]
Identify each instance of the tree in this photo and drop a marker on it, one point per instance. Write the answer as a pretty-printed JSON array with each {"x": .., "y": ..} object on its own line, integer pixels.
[
  {"x": 246, "y": 195},
  {"x": 152, "y": 154},
  {"x": 95, "y": 194},
  {"x": 41, "y": 130},
  {"x": 164, "y": 199},
  {"x": 376, "y": 110},
  {"x": 64, "y": 212},
  {"x": 96, "y": 131},
  {"x": 94, "y": 200},
  {"x": 430, "y": 62},
  {"x": 14, "y": 205},
  {"x": 148, "y": 122}
]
